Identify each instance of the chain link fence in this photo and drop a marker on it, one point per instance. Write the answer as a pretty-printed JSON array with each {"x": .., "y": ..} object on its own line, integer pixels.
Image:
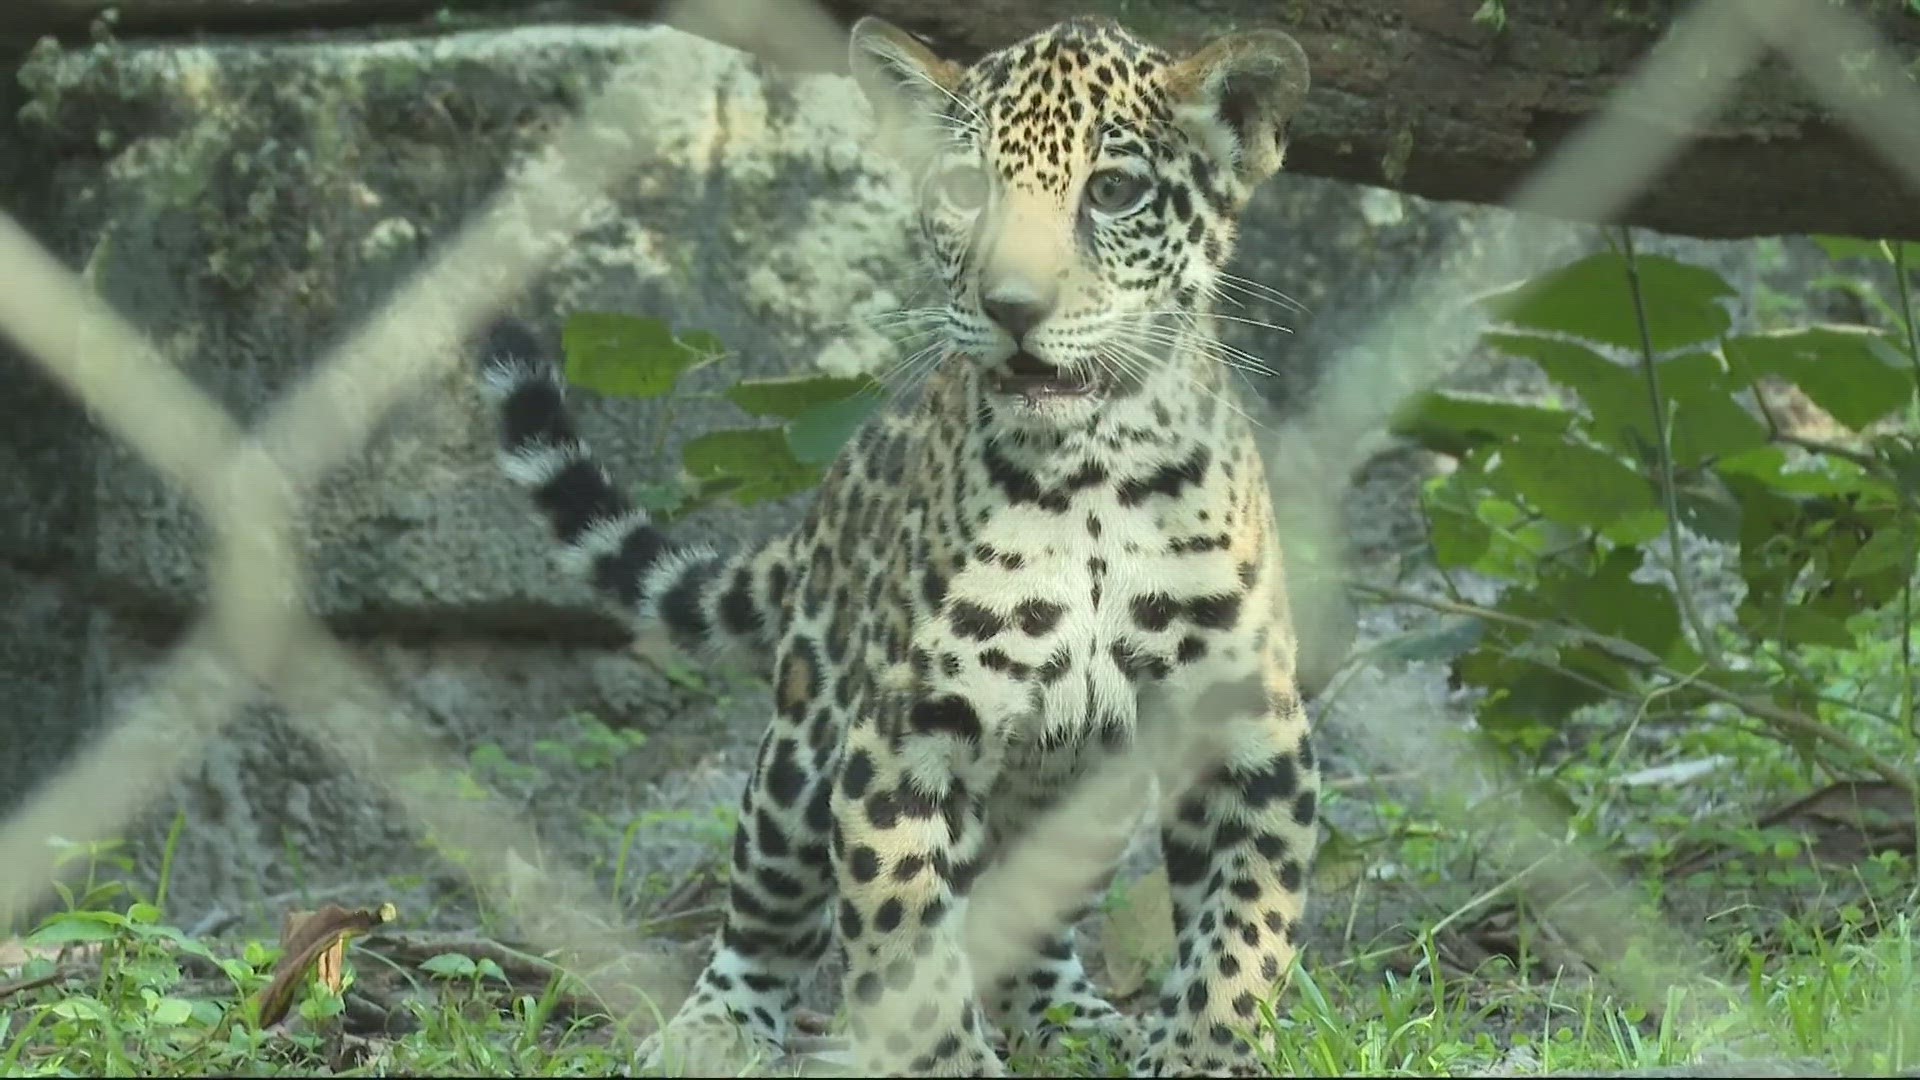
[{"x": 256, "y": 641}]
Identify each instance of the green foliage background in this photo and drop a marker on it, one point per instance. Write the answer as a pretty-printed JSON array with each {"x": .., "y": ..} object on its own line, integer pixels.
[
  {"x": 1665, "y": 419},
  {"x": 1662, "y": 418}
]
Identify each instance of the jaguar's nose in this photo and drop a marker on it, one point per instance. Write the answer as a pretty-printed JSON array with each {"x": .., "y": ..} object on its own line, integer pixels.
[{"x": 1017, "y": 308}]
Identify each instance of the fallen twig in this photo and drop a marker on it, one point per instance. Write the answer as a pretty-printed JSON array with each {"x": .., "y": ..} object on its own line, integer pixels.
[{"x": 21, "y": 986}]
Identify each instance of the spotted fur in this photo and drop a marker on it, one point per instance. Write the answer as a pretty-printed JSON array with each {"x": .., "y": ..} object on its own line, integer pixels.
[{"x": 1066, "y": 546}]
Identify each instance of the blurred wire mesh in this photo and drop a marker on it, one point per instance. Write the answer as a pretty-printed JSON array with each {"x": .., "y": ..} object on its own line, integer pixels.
[{"x": 257, "y": 642}]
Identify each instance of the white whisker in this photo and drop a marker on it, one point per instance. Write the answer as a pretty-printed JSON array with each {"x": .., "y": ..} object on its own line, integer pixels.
[
  {"x": 1262, "y": 291},
  {"x": 944, "y": 121},
  {"x": 1197, "y": 383},
  {"x": 1188, "y": 337},
  {"x": 1230, "y": 318}
]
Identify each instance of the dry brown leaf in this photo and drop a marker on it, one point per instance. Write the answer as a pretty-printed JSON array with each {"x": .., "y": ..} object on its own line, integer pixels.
[
  {"x": 316, "y": 941},
  {"x": 1870, "y": 808}
]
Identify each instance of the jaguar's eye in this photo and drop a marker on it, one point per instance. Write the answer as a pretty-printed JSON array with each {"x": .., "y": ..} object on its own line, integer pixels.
[
  {"x": 1118, "y": 191},
  {"x": 964, "y": 187}
]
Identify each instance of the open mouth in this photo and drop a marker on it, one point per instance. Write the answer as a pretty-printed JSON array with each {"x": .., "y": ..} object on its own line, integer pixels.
[{"x": 1028, "y": 376}]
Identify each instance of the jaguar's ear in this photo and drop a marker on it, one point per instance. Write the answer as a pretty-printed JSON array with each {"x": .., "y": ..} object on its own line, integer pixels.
[
  {"x": 1245, "y": 87},
  {"x": 906, "y": 83}
]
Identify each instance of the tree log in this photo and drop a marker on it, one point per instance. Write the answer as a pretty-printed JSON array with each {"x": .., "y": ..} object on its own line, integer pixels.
[
  {"x": 1414, "y": 95},
  {"x": 1417, "y": 96}
]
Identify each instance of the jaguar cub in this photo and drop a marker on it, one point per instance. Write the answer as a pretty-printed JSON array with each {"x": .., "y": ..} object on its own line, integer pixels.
[{"x": 1063, "y": 549}]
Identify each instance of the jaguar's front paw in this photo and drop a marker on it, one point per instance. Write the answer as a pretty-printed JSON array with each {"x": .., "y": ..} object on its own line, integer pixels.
[
  {"x": 1107, "y": 1034},
  {"x": 1220, "y": 1051},
  {"x": 704, "y": 1044},
  {"x": 953, "y": 1054}
]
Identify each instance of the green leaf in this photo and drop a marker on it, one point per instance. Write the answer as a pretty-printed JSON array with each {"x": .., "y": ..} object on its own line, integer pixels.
[
  {"x": 1853, "y": 373},
  {"x": 790, "y": 398},
  {"x": 1635, "y": 527},
  {"x": 172, "y": 1011},
  {"x": 1851, "y": 247},
  {"x": 1444, "y": 642},
  {"x": 185, "y": 944},
  {"x": 1707, "y": 507},
  {"x": 1848, "y": 590},
  {"x": 1900, "y": 454},
  {"x": 628, "y": 356},
  {"x": 750, "y": 492},
  {"x": 1592, "y": 299},
  {"x": 1614, "y": 393},
  {"x": 1458, "y": 537},
  {"x": 1860, "y": 289},
  {"x": 322, "y": 1005},
  {"x": 1681, "y": 700},
  {"x": 1769, "y": 556},
  {"x": 704, "y": 342},
  {"x": 81, "y": 1008},
  {"x": 1890, "y": 548},
  {"x": 1471, "y": 527},
  {"x": 1523, "y": 693},
  {"x": 1707, "y": 421},
  {"x": 1840, "y": 248},
  {"x": 1796, "y": 625},
  {"x": 1451, "y": 423},
  {"x": 77, "y": 926},
  {"x": 1818, "y": 476},
  {"x": 1610, "y": 602},
  {"x": 705, "y": 493},
  {"x": 672, "y": 499},
  {"x": 758, "y": 462},
  {"x": 817, "y": 435},
  {"x": 1704, "y": 419},
  {"x": 1548, "y": 792},
  {"x": 449, "y": 965},
  {"x": 1797, "y": 557},
  {"x": 739, "y": 452},
  {"x": 1576, "y": 484}
]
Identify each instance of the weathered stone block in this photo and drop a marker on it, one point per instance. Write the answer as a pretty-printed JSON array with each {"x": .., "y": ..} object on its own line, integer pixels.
[{"x": 247, "y": 205}]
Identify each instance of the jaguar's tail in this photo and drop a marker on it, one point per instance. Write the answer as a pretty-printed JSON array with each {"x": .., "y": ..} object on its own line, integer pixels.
[{"x": 705, "y": 599}]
